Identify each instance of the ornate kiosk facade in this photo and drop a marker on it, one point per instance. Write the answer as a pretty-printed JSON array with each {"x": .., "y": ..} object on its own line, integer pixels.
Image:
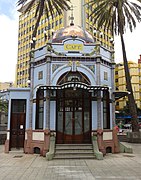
[{"x": 70, "y": 96}]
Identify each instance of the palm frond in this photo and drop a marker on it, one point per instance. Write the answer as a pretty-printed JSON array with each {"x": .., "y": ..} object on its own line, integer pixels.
[{"x": 47, "y": 6}]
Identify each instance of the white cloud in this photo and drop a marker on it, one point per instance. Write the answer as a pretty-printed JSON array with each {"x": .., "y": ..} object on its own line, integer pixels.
[
  {"x": 8, "y": 47},
  {"x": 132, "y": 45}
]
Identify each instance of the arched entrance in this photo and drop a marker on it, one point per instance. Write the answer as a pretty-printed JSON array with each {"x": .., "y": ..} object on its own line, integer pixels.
[{"x": 73, "y": 110}]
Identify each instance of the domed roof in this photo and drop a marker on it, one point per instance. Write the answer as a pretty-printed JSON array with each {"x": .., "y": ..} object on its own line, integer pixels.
[{"x": 72, "y": 31}]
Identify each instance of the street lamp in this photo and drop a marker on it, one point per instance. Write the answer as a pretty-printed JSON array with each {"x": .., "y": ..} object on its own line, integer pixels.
[{"x": 28, "y": 82}]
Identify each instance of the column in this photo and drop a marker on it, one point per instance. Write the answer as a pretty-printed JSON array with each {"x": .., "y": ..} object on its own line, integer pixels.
[
  {"x": 112, "y": 95},
  {"x": 48, "y": 83},
  {"x": 99, "y": 111},
  {"x": 48, "y": 70},
  {"x": 98, "y": 81},
  {"x": 47, "y": 109},
  {"x": 31, "y": 95}
]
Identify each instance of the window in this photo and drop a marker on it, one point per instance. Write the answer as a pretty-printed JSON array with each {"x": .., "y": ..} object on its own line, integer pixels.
[
  {"x": 116, "y": 72},
  {"x": 60, "y": 21},
  {"x": 39, "y": 32},
  {"x": 39, "y": 109},
  {"x": 49, "y": 26},
  {"x": 18, "y": 105},
  {"x": 40, "y": 75},
  {"x": 52, "y": 24},
  {"x": 42, "y": 30},
  {"x": 117, "y": 103},
  {"x": 105, "y": 75},
  {"x": 56, "y": 23}
]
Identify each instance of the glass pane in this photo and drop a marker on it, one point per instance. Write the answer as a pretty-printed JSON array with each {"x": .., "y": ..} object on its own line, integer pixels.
[
  {"x": 78, "y": 122},
  {"x": 60, "y": 122},
  {"x": 40, "y": 123},
  {"x": 68, "y": 123},
  {"x": 86, "y": 105},
  {"x": 18, "y": 105},
  {"x": 86, "y": 122},
  {"x": 78, "y": 105}
]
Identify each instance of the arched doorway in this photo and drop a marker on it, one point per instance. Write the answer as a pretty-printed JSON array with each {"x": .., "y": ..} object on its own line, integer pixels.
[{"x": 73, "y": 110}]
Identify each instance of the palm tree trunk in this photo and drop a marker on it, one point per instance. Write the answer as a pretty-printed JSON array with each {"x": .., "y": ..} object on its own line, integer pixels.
[
  {"x": 37, "y": 24},
  {"x": 34, "y": 41},
  {"x": 35, "y": 32},
  {"x": 132, "y": 104}
]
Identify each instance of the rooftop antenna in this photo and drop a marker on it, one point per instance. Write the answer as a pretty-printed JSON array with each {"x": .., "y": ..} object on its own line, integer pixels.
[{"x": 72, "y": 17}]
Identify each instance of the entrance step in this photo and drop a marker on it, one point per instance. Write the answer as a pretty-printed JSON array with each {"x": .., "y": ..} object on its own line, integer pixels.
[
  {"x": 74, "y": 151},
  {"x": 16, "y": 151}
]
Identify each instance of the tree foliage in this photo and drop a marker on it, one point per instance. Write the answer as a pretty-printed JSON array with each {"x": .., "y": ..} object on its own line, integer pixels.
[
  {"x": 3, "y": 106},
  {"x": 116, "y": 15}
]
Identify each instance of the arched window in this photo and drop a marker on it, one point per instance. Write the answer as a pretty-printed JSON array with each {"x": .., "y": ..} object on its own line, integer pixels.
[{"x": 73, "y": 77}]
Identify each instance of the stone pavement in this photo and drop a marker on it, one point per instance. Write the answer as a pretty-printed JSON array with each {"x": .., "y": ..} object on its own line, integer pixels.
[{"x": 20, "y": 166}]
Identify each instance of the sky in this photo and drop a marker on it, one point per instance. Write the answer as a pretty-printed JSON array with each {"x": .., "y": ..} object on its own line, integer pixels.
[{"x": 9, "y": 41}]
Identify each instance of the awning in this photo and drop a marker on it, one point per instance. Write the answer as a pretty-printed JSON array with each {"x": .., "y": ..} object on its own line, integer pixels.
[
  {"x": 125, "y": 117},
  {"x": 120, "y": 94},
  {"x": 74, "y": 85}
]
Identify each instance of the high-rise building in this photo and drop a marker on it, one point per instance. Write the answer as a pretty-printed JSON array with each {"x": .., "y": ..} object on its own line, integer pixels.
[
  {"x": 5, "y": 85},
  {"x": 120, "y": 83},
  {"x": 79, "y": 14}
]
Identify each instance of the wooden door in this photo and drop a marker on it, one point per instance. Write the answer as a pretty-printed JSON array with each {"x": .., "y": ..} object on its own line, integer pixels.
[
  {"x": 73, "y": 121},
  {"x": 73, "y": 117},
  {"x": 17, "y": 123},
  {"x": 17, "y": 130}
]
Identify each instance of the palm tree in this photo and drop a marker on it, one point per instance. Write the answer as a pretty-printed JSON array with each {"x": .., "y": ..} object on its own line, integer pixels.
[
  {"x": 117, "y": 15},
  {"x": 47, "y": 6}
]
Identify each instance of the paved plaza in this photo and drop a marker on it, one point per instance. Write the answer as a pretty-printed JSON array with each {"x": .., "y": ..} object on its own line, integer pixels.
[{"x": 20, "y": 166}]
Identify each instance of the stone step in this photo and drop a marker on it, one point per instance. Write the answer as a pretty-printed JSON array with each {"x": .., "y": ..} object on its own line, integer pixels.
[
  {"x": 74, "y": 157},
  {"x": 74, "y": 151},
  {"x": 16, "y": 151},
  {"x": 73, "y": 146}
]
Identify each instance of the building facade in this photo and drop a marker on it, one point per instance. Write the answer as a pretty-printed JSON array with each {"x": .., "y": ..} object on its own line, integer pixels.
[
  {"x": 5, "y": 85},
  {"x": 70, "y": 96},
  {"x": 45, "y": 30},
  {"x": 120, "y": 83}
]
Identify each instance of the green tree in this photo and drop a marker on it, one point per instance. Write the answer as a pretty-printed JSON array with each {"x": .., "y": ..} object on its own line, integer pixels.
[
  {"x": 47, "y": 6},
  {"x": 3, "y": 106},
  {"x": 117, "y": 15}
]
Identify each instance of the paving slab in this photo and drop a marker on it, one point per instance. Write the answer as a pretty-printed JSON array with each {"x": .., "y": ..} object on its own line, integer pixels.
[{"x": 20, "y": 166}]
